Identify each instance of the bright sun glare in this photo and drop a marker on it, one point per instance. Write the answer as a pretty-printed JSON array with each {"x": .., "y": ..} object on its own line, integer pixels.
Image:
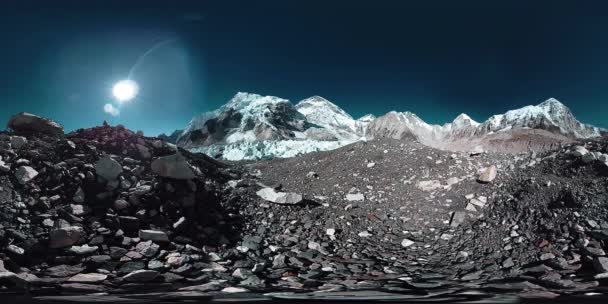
[{"x": 125, "y": 90}]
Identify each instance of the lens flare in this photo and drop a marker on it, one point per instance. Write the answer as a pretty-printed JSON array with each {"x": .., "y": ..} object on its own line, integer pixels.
[{"x": 125, "y": 90}]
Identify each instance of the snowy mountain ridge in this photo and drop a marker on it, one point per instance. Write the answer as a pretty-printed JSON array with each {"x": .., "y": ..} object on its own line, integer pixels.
[{"x": 252, "y": 126}]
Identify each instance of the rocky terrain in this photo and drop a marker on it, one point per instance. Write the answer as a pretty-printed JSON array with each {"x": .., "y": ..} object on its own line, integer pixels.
[{"x": 109, "y": 210}]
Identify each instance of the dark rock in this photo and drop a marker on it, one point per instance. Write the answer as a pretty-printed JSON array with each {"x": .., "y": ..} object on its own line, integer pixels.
[{"x": 26, "y": 123}]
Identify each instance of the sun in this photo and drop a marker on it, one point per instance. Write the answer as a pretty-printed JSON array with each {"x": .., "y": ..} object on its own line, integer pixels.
[{"x": 125, "y": 90}]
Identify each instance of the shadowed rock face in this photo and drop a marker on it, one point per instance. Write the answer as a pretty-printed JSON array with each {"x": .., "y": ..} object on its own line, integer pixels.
[{"x": 24, "y": 123}]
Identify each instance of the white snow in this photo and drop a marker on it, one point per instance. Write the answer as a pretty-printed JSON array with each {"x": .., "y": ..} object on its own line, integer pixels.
[
  {"x": 269, "y": 149},
  {"x": 324, "y": 113}
]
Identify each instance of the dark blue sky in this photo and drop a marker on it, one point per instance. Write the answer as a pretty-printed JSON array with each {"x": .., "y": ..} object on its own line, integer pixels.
[{"x": 435, "y": 58}]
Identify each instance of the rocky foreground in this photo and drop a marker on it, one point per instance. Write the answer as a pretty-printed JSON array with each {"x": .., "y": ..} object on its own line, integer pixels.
[{"x": 110, "y": 210}]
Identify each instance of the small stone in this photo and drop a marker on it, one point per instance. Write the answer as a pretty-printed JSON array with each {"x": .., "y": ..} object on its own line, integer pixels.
[
  {"x": 121, "y": 204},
  {"x": 214, "y": 257},
  {"x": 364, "y": 234},
  {"x": 83, "y": 250},
  {"x": 181, "y": 223},
  {"x": 147, "y": 249},
  {"x": 153, "y": 235},
  {"x": 330, "y": 231},
  {"x": 508, "y": 263},
  {"x": 25, "y": 174},
  {"x": 407, "y": 243},
  {"x": 477, "y": 203},
  {"x": 79, "y": 196},
  {"x": 15, "y": 250},
  {"x": 547, "y": 256},
  {"x": 446, "y": 236},
  {"x": 278, "y": 261},
  {"x": 234, "y": 290},
  {"x": 312, "y": 174},
  {"x": 428, "y": 185},
  {"x": 458, "y": 218},
  {"x": 355, "y": 197}
]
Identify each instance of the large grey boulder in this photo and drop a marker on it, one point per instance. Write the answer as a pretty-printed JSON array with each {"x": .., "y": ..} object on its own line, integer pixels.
[
  {"x": 108, "y": 168},
  {"x": 488, "y": 174},
  {"x": 153, "y": 235},
  {"x": 141, "y": 276},
  {"x": 17, "y": 142},
  {"x": 173, "y": 166},
  {"x": 30, "y": 123},
  {"x": 88, "y": 278},
  {"x": 282, "y": 198},
  {"x": 65, "y": 237},
  {"x": 25, "y": 174}
]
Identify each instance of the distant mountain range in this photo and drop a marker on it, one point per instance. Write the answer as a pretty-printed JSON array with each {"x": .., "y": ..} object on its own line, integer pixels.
[{"x": 252, "y": 126}]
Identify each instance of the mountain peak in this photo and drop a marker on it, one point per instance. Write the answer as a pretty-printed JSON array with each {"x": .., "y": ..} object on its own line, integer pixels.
[
  {"x": 552, "y": 103},
  {"x": 316, "y": 101},
  {"x": 367, "y": 118},
  {"x": 463, "y": 119}
]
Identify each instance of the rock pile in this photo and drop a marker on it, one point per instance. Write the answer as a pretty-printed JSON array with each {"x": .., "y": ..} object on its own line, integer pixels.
[{"x": 106, "y": 206}]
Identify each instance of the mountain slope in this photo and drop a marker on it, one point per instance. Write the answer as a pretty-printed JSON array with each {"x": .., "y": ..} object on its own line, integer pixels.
[
  {"x": 329, "y": 116},
  {"x": 551, "y": 116},
  {"x": 251, "y": 126}
]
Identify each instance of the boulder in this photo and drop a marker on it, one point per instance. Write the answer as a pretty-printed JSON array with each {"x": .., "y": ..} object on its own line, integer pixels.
[
  {"x": 458, "y": 218},
  {"x": 600, "y": 264},
  {"x": 153, "y": 235},
  {"x": 428, "y": 185},
  {"x": 407, "y": 243},
  {"x": 17, "y": 142},
  {"x": 173, "y": 166},
  {"x": 9, "y": 278},
  {"x": 355, "y": 197},
  {"x": 282, "y": 198},
  {"x": 25, "y": 173},
  {"x": 579, "y": 151},
  {"x": 141, "y": 276},
  {"x": 26, "y": 123},
  {"x": 65, "y": 237},
  {"x": 88, "y": 278},
  {"x": 488, "y": 174},
  {"x": 108, "y": 168}
]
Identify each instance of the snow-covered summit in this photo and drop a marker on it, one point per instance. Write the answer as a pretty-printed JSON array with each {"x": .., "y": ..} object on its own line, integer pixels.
[
  {"x": 463, "y": 120},
  {"x": 322, "y": 112},
  {"x": 551, "y": 115}
]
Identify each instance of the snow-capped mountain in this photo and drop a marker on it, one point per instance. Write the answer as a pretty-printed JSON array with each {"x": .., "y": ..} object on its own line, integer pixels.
[
  {"x": 246, "y": 117},
  {"x": 252, "y": 126},
  {"x": 329, "y": 116},
  {"x": 551, "y": 116}
]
